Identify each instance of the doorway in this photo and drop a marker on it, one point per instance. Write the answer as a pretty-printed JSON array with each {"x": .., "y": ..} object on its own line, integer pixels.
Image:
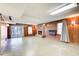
[
  {"x": 59, "y": 30},
  {"x": 29, "y": 30}
]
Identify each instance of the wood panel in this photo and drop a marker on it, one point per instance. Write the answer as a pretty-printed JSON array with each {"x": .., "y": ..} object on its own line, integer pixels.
[
  {"x": 34, "y": 31},
  {"x": 26, "y": 30},
  {"x": 73, "y": 30},
  {"x": 9, "y": 32}
]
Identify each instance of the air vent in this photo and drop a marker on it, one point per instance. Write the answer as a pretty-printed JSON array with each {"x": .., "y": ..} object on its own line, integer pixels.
[
  {"x": 10, "y": 18},
  {"x": 78, "y": 4},
  {"x": 0, "y": 14},
  {"x": 1, "y": 18}
]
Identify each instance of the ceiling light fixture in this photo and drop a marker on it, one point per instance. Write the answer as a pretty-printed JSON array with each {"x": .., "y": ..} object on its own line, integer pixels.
[{"x": 64, "y": 8}]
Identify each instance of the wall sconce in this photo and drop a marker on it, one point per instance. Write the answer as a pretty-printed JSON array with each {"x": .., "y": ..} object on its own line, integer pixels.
[
  {"x": 72, "y": 22},
  {"x": 43, "y": 24}
]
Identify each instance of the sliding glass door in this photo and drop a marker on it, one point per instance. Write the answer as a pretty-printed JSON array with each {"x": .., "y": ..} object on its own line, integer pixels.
[{"x": 17, "y": 31}]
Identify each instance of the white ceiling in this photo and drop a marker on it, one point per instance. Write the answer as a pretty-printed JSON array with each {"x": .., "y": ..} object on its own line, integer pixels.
[{"x": 34, "y": 13}]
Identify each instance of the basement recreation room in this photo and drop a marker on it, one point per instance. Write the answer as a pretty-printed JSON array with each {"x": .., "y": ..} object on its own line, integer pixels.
[{"x": 39, "y": 29}]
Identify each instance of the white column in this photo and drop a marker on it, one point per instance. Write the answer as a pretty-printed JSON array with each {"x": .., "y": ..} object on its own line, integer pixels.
[
  {"x": 0, "y": 35},
  {"x": 43, "y": 30},
  {"x": 64, "y": 35}
]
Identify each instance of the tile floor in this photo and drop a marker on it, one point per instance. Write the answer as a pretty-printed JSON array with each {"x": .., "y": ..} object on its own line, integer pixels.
[{"x": 37, "y": 46}]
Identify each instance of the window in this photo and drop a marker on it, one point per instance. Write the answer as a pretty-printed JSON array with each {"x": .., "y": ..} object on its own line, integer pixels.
[
  {"x": 59, "y": 28},
  {"x": 16, "y": 31},
  {"x": 29, "y": 30}
]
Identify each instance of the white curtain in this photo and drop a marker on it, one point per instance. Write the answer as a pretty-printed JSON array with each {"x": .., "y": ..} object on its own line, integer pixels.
[
  {"x": 43, "y": 30},
  {"x": 3, "y": 35},
  {"x": 64, "y": 35}
]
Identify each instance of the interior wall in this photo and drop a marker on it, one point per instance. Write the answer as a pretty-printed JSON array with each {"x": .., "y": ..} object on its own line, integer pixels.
[
  {"x": 3, "y": 31},
  {"x": 73, "y": 29},
  {"x": 25, "y": 30},
  {"x": 50, "y": 26},
  {"x": 9, "y": 32},
  {"x": 39, "y": 29},
  {"x": 34, "y": 30},
  {"x": 3, "y": 34}
]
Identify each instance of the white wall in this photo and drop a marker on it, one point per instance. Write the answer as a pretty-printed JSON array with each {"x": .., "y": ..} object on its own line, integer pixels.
[
  {"x": 3, "y": 31},
  {"x": 3, "y": 34}
]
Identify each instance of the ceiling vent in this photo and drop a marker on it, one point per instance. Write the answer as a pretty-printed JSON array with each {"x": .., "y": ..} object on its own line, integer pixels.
[{"x": 78, "y": 4}]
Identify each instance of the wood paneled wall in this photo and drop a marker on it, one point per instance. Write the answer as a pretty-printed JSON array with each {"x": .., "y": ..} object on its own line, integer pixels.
[
  {"x": 50, "y": 26},
  {"x": 26, "y": 30},
  {"x": 73, "y": 30},
  {"x": 34, "y": 30},
  {"x": 9, "y": 31}
]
